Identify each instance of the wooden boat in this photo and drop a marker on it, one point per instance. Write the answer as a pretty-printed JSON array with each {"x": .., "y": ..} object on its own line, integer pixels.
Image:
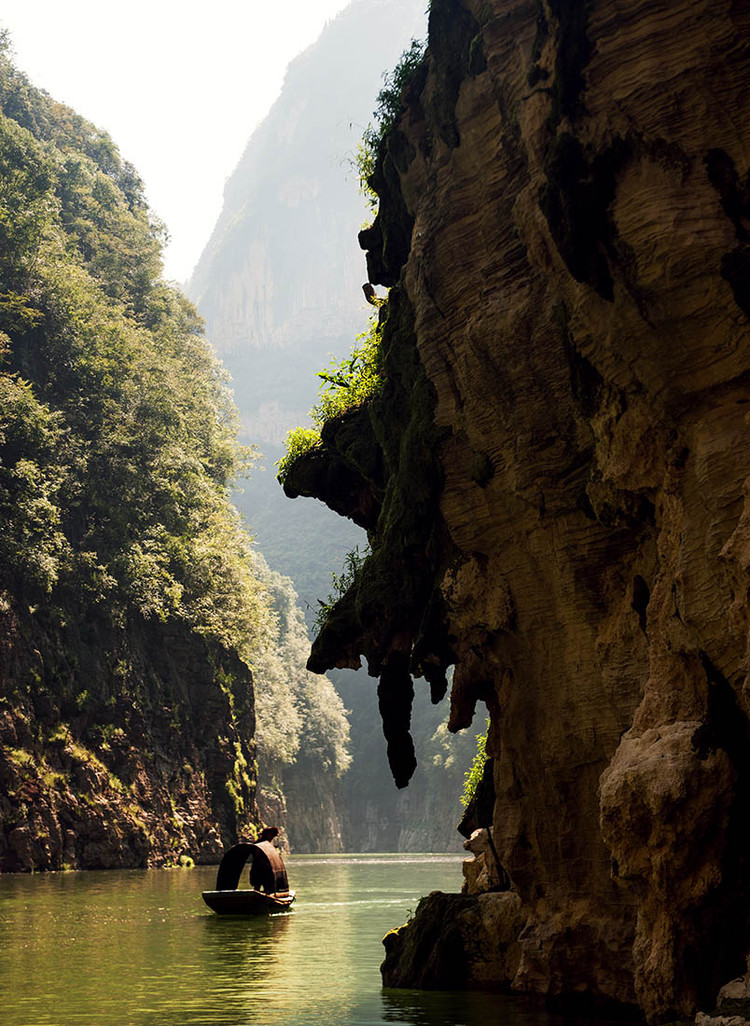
[
  {"x": 267, "y": 871},
  {"x": 247, "y": 902}
]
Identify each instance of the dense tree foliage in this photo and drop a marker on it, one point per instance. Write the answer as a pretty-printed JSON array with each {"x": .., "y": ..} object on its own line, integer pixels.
[
  {"x": 118, "y": 435},
  {"x": 117, "y": 432}
]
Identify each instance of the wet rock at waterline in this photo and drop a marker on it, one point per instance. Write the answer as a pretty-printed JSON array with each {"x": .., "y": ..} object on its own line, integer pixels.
[{"x": 456, "y": 941}]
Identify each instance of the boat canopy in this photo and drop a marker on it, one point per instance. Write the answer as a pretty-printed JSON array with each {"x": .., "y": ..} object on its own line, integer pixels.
[{"x": 267, "y": 871}]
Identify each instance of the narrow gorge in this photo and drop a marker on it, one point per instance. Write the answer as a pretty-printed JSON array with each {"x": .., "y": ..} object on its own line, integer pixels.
[
  {"x": 553, "y": 478},
  {"x": 279, "y": 286}
]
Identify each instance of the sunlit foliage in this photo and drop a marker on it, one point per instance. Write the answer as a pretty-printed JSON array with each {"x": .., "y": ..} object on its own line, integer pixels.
[
  {"x": 353, "y": 380},
  {"x": 387, "y": 110},
  {"x": 340, "y": 583},
  {"x": 299, "y": 441},
  {"x": 473, "y": 775},
  {"x": 297, "y": 711},
  {"x": 117, "y": 432},
  {"x": 346, "y": 384}
]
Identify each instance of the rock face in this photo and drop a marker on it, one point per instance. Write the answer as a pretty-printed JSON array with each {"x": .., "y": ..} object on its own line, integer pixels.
[
  {"x": 555, "y": 478},
  {"x": 460, "y": 938},
  {"x": 120, "y": 749},
  {"x": 317, "y": 826}
]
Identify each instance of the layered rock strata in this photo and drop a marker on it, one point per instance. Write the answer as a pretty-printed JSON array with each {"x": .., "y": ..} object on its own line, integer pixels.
[{"x": 555, "y": 479}]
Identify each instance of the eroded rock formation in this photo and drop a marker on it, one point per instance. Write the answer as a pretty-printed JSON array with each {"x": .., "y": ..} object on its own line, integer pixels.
[{"x": 555, "y": 477}]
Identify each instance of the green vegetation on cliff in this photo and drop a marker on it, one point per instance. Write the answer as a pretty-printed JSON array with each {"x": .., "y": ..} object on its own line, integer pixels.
[
  {"x": 358, "y": 378},
  {"x": 346, "y": 384},
  {"x": 474, "y": 774},
  {"x": 388, "y": 107},
  {"x": 118, "y": 435},
  {"x": 132, "y": 606}
]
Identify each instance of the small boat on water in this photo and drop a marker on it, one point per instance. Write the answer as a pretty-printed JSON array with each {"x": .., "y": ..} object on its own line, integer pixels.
[
  {"x": 269, "y": 887},
  {"x": 246, "y": 902}
]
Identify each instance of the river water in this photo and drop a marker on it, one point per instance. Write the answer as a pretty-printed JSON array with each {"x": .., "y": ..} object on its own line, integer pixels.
[{"x": 139, "y": 948}]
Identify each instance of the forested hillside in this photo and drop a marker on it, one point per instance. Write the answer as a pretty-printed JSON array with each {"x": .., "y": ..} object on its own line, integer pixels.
[
  {"x": 303, "y": 731},
  {"x": 132, "y": 613}
]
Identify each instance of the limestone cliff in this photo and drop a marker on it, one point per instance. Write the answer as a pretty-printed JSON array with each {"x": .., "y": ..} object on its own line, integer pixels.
[{"x": 554, "y": 480}]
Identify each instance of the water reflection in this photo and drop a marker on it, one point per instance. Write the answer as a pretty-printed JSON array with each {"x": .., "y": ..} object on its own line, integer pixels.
[
  {"x": 441, "y": 1008},
  {"x": 425, "y": 1008},
  {"x": 141, "y": 949},
  {"x": 231, "y": 946}
]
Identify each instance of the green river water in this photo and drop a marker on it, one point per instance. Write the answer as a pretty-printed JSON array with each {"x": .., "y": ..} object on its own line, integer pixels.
[{"x": 139, "y": 948}]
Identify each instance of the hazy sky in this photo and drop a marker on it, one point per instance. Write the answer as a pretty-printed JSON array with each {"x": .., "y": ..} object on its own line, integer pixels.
[{"x": 178, "y": 85}]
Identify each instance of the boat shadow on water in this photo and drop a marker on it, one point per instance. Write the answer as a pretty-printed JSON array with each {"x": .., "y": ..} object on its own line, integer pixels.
[{"x": 250, "y": 948}]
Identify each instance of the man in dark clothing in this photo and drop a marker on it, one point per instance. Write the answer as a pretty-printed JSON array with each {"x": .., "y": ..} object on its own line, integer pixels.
[{"x": 267, "y": 872}]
